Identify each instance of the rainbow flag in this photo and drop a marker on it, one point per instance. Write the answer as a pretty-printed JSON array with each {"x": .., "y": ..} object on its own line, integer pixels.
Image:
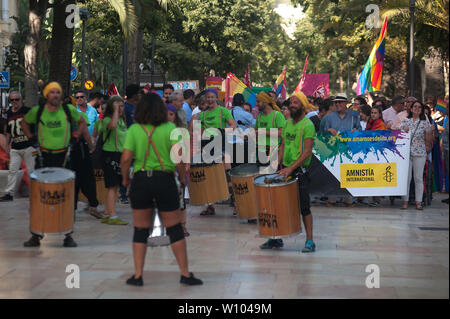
[
  {"x": 441, "y": 106},
  {"x": 370, "y": 78},
  {"x": 279, "y": 86},
  {"x": 233, "y": 86}
]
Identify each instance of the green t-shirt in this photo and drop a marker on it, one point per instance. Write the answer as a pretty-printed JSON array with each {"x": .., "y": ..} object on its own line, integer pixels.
[
  {"x": 137, "y": 142},
  {"x": 272, "y": 120},
  {"x": 291, "y": 136},
  {"x": 53, "y": 131},
  {"x": 211, "y": 118},
  {"x": 116, "y": 138},
  {"x": 98, "y": 125}
]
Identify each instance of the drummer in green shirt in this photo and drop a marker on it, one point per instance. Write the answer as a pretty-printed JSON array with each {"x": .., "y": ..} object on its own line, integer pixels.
[
  {"x": 269, "y": 117},
  {"x": 296, "y": 153},
  {"x": 217, "y": 117}
]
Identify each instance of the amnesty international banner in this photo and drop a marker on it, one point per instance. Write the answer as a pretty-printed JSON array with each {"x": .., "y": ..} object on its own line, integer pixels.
[{"x": 361, "y": 163}]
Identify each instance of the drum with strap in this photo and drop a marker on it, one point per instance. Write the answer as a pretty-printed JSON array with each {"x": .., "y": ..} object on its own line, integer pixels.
[
  {"x": 277, "y": 202},
  {"x": 51, "y": 201},
  {"x": 242, "y": 177}
]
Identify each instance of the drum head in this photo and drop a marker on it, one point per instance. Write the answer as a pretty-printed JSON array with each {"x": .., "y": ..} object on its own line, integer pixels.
[
  {"x": 52, "y": 175},
  {"x": 245, "y": 170},
  {"x": 272, "y": 180}
]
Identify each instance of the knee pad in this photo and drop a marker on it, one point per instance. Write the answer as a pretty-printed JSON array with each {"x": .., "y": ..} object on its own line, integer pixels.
[
  {"x": 175, "y": 233},
  {"x": 141, "y": 235}
]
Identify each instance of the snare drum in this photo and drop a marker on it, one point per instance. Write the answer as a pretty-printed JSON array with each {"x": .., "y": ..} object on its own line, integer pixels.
[
  {"x": 52, "y": 201},
  {"x": 100, "y": 185},
  {"x": 242, "y": 177},
  {"x": 208, "y": 184},
  {"x": 278, "y": 206}
]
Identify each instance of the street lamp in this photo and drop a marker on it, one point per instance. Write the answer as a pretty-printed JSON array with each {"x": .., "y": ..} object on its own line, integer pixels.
[
  {"x": 84, "y": 15},
  {"x": 412, "y": 6}
]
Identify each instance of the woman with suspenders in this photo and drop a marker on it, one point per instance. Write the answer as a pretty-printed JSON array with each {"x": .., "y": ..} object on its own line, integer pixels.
[{"x": 153, "y": 184}]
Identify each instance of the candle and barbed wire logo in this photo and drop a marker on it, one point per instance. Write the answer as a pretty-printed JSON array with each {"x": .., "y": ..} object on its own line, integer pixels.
[{"x": 388, "y": 175}]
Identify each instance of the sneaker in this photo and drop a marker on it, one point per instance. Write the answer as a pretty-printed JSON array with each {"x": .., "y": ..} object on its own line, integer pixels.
[
  {"x": 116, "y": 221},
  {"x": 309, "y": 247},
  {"x": 445, "y": 201},
  {"x": 6, "y": 198},
  {"x": 34, "y": 241},
  {"x": 124, "y": 199},
  {"x": 191, "y": 281},
  {"x": 374, "y": 204},
  {"x": 272, "y": 243},
  {"x": 95, "y": 213},
  {"x": 69, "y": 242},
  {"x": 135, "y": 281},
  {"x": 252, "y": 221},
  {"x": 104, "y": 220}
]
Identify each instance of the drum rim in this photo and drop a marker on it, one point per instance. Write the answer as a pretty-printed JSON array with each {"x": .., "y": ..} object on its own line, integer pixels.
[
  {"x": 274, "y": 185},
  {"x": 202, "y": 164},
  {"x": 246, "y": 175},
  {"x": 44, "y": 181}
]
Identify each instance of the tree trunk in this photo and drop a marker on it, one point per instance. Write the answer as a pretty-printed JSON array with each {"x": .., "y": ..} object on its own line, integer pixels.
[
  {"x": 31, "y": 50},
  {"x": 61, "y": 46},
  {"x": 434, "y": 74},
  {"x": 135, "y": 47}
]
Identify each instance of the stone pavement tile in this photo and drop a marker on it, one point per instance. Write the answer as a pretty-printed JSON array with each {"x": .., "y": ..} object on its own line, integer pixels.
[
  {"x": 72, "y": 294},
  {"x": 23, "y": 294}
]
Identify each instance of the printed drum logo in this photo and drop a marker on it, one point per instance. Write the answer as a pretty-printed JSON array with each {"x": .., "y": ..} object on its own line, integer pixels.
[
  {"x": 388, "y": 175},
  {"x": 198, "y": 177},
  {"x": 53, "y": 198},
  {"x": 240, "y": 189},
  {"x": 267, "y": 220}
]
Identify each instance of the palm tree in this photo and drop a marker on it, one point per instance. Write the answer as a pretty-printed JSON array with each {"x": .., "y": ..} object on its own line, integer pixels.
[{"x": 62, "y": 37}]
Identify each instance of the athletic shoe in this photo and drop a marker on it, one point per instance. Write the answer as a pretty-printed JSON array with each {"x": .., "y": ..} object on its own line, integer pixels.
[
  {"x": 124, "y": 199},
  {"x": 69, "y": 242},
  {"x": 34, "y": 241},
  {"x": 445, "y": 201},
  {"x": 104, "y": 220},
  {"x": 252, "y": 221},
  {"x": 6, "y": 198},
  {"x": 309, "y": 247},
  {"x": 116, "y": 221},
  {"x": 191, "y": 281},
  {"x": 135, "y": 281},
  {"x": 272, "y": 243}
]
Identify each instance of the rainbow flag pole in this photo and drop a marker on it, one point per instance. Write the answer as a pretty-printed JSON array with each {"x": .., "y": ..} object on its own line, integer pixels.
[{"x": 370, "y": 78}]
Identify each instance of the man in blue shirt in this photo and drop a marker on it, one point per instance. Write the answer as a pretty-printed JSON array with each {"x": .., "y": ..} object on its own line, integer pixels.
[
  {"x": 188, "y": 103},
  {"x": 83, "y": 107},
  {"x": 244, "y": 121},
  {"x": 133, "y": 97}
]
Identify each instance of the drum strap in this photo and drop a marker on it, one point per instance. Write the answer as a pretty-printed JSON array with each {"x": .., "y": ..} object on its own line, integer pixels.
[
  {"x": 150, "y": 141},
  {"x": 301, "y": 137}
]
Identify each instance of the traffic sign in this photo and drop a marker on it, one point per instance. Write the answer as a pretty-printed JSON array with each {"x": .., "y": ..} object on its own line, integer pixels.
[
  {"x": 4, "y": 80},
  {"x": 73, "y": 73},
  {"x": 88, "y": 85}
]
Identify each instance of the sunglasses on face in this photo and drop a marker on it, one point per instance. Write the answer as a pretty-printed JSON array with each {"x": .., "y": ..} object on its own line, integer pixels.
[
  {"x": 79, "y": 97},
  {"x": 14, "y": 100}
]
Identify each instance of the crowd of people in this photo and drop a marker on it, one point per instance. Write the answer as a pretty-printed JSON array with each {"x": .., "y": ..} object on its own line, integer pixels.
[{"x": 120, "y": 136}]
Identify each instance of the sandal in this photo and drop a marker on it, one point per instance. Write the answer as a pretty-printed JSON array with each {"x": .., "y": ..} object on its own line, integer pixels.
[
  {"x": 404, "y": 206},
  {"x": 419, "y": 207}
]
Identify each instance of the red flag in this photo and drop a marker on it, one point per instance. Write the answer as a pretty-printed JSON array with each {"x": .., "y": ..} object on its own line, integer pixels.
[
  {"x": 112, "y": 90},
  {"x": 320, "y": 91},
  {"x": 302, "y": 79},
  {"x": 247, "y": 80}
]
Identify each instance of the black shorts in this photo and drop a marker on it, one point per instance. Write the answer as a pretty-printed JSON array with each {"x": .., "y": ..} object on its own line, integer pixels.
[
  {"x": 160, "y": 189},
  {"x": 303, "y": 192},
  {"x": 111, "y": 169}
]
